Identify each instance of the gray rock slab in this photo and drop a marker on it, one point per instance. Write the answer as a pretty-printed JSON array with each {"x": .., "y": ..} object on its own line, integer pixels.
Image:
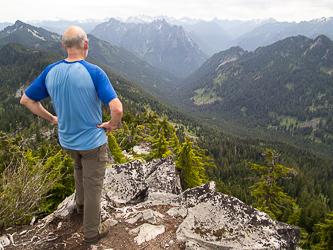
[
  {"x": 221, "y": 221},
  {"x": 161, "y": 198},
  {"x": 194, "y": 196},
  {"x": 191, "y": 245},
  {"x": 158, "y": 214},
  {"x": 66, "y": 207},
  {"x": 148, "y": 216},
  {"x": 131, "y": 183},
  {"x": 134, "y": 219},
  {"x": 112, "y": 222},
  {"x": 125, "y": 183},
  {"x": 180, "y": 211},
  {"x": 160, "y": 175},
  {"x": 147, "y": 232}
]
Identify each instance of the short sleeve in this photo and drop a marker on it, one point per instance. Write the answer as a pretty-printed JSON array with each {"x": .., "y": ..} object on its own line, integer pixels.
[
  {"x": 37, "y": 90},
  {"x": 104, "y": 88},
  {"x": 101, "y": 81}
]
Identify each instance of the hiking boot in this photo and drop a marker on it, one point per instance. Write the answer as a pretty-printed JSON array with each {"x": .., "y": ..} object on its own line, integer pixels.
[
  {"x": 103, "y": 230},
  {"x": 79, "y": 209}
]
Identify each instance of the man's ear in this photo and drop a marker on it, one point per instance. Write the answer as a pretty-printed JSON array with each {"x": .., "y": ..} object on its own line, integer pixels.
[
  {"x": 63, "y": 45},
  {"x": 86, "y": 44}
]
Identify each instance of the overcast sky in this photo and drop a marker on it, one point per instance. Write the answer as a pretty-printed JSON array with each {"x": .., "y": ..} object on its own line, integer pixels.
[{"x": 281, "y": 10}]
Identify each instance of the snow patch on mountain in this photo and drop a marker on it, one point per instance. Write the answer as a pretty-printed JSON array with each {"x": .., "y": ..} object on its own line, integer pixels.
[{"x": 34, "y": 33}]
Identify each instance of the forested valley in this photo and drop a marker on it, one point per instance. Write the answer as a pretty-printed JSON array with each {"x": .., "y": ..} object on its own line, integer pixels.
[
  {"x": 215, "y": 154},
  {"x": 280, "y": 92}
]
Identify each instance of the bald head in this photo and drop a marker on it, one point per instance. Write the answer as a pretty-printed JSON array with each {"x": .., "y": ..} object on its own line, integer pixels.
[{"x": 74, "y": 37}]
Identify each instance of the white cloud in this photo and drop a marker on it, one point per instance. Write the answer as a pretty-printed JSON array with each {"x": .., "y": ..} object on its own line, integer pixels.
[{"x": 282, "y": 10}]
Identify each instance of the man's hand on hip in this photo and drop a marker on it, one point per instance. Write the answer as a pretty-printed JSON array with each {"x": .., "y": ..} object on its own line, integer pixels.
[
  {"x": 108, "y": 127},
  {"x": 116, "y": 112}
]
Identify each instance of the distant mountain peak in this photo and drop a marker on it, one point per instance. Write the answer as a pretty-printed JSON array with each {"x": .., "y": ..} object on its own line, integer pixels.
[
  {"x": 322, "y": 20},
  {"x": 25, "y": 33},
  {"x": 18, "y": 22},
  {"x": 112, "y": 20},
  {"x": 112, "y": 31}
]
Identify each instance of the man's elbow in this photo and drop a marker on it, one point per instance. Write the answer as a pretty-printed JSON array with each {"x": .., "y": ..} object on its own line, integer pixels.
[
  {"x": 24, "y": 100},
  {"x": 116, "y": 106},
  {"x": 119, "y": 110}
]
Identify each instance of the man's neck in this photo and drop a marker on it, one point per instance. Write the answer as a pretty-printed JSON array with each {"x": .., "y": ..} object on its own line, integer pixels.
[{"x": 73, "y": 57}]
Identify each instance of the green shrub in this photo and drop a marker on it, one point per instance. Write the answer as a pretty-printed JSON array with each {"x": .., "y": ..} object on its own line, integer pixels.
[{"x": 26, "y": 183}]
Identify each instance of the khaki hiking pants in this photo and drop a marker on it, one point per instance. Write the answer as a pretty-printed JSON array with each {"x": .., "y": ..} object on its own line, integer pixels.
[{"x": 89, "y": 170}]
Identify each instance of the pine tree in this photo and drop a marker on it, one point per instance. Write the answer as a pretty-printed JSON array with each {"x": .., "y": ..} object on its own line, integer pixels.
[
  {"x": 190, "y": 166},
  {"x": 207, "y": 162},
  {"x": 161, "y": 147},
  {"x": 119, "y": 157},
  {"x": 166, "y": 126},
  {"x": 326, "y": 233},
  {"x": 126, "y": 142},
  {"x": 174, "y": 143},
  {"x": 126, "y": 129},
  {"x": 294, "y": 218},
  {"x": 269, "y": 197}
]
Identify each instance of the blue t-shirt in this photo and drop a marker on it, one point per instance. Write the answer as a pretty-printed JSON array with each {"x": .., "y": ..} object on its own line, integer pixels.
[{"x": 77, "y": 90}]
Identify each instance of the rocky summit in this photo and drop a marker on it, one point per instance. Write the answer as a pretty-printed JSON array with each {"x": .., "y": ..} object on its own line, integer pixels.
[{"x": 147, "y": 209}]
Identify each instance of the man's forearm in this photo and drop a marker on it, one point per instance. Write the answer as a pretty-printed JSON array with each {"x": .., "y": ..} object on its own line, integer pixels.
[
  {"x": 116, "y": 111},
  {"x": 37, "y": 108}
]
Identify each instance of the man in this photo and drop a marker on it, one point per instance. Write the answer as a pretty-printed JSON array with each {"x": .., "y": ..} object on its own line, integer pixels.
[{"x": 77, "y": 89}]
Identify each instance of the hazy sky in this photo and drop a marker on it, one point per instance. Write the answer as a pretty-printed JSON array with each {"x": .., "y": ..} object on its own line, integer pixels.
[{"x": 281, "y": 10}]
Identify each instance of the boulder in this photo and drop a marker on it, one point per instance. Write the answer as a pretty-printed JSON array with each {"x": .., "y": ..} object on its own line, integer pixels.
[
  {"x": 161, "y": 176},
  {"x": 194, "y": 196},
  {"x": 131, "y": 183},
  {"x": 219, "y": 221},
  {"x": 125, "y": 183}
]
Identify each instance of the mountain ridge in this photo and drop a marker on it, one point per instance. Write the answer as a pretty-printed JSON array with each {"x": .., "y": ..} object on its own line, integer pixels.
[
  {"x": 249, "y": 34},
  {"x": 28, "y": 34},
  {"x": 273, "y": 32},
  {"x": 274, "y": 89}
]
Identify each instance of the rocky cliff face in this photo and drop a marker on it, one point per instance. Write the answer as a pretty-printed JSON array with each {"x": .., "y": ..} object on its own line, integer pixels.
[
  {"x": 148, "y": 210},
  {"x": 162, "y": 45},
  {"x": 175, "y": 52},
  {"x": 140, "y": 38},
  {"x": 112, "y": 31}
]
